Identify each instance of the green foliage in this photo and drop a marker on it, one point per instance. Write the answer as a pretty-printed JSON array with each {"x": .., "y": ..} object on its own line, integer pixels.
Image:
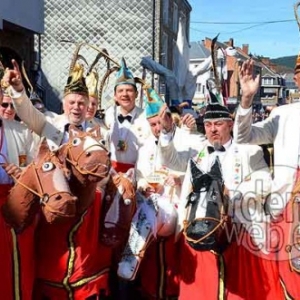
[{"x": 288, "y": 61}]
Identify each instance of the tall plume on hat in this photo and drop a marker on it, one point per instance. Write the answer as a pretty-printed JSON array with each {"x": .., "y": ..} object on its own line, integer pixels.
[
  {"x": 215, "y": 108},
  {"x": 33, "y": 96},
  {"x": 124, "y": 75},
  {"x": 76, "y": 80},
  {"x": 153, "y": 102},
  {"x": 297, "y": 65}
]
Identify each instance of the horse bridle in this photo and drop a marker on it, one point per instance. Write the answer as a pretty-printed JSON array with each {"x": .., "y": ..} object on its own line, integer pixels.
[
  {"x": 44, "y": 197},
  {"x": 75, "y": 162},
  {"x": 221, "y": 222}
]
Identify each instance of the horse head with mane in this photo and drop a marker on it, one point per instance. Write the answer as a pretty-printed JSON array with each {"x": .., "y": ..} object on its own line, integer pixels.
[
  {"x": 88, "y": 160},
  {"x": 43, "y": 183},
  {"x": 207, "y": 207},
  {"x": 119, "y": 208},
  {"x": 86, "y": 154}
]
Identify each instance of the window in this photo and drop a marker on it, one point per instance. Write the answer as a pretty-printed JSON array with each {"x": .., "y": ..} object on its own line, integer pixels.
[
  {"x": 166, "y": 12},
  {"x": 175, "y": 17}
]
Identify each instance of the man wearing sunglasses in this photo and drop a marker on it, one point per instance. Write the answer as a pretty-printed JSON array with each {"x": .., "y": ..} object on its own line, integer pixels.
[
  {"x": 7, "y": 110},
  {"x": 16, "y": 150}
]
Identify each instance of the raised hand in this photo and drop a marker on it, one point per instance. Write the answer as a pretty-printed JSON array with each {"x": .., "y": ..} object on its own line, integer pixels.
[
  {"x": 188, "y": 120},
  {"x": 166, "y": 120},
  {"x": 249, "y": 83},
  {"x": 12, "y": 77}
]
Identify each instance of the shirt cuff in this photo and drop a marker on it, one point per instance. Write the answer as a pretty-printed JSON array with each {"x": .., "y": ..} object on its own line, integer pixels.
[
  {"x": 14, "y": 94},
  {"x": 243, "y": 111}
]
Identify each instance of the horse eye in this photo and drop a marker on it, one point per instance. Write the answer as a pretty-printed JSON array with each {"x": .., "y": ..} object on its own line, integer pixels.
[
  {"x": 102, "y": 142},
  {"x": 76, "y": 141},
  {"x": 127, "y": 201},
  {"x": 47, "y": 166}
]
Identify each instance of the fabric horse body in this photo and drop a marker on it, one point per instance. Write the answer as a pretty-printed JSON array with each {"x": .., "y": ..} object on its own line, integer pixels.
[
  {"x": 41, "y": 185},
  {"x": 207, "y": 210},
  {"x": 73, "y": 262}
]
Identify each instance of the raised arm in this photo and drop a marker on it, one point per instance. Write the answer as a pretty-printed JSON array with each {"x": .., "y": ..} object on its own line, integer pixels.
[
  {"x": 34, "y": 119},
  {"x": 244, "y": 131}
]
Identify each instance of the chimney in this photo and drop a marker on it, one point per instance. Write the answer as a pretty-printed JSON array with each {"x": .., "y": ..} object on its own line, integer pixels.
[{"x": 245, "y": 48}]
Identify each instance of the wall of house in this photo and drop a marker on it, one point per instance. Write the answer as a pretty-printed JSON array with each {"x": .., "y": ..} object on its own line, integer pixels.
[{"x": 28, "y": 14}]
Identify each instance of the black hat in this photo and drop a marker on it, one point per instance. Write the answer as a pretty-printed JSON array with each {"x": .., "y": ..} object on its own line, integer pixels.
[{"x": 216, "y": 111}]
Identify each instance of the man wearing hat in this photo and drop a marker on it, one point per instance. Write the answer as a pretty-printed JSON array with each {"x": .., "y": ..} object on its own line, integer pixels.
[
  {"x": 71, "y": 236},
  {"x": 243, "y": 167},
  {"x": 161, "y": 256},
  {"x": 127, "y": 122},
  {"x": 281, "y": 129},
  {"x": 75, "y": 103},
  {"x": 17, "y": 257}
]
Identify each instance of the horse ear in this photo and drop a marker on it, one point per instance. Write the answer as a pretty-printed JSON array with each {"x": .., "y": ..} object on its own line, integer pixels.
[
  {"x": 130, "y": 174},
  {"x": 195, "y": 171},
  {"x": 73, "y": 131},
  {"x": 216, "y": 169},
  {"x": 43, "y": 149},
  {"x": 96, "y": 131}
]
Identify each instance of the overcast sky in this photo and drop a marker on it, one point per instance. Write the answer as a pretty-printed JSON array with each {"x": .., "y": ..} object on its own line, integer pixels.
[{"x": 279, "y": 37}]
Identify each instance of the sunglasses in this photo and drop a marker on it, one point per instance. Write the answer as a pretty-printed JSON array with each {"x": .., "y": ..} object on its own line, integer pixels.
[{"x": 6, "y": 104}]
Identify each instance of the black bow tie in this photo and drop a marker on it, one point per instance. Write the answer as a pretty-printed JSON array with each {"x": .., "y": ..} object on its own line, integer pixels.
[
  {"x": 122, "y": 118},
  {"x": 211, "y": 149},
  {"x": 77, "y": 126}
]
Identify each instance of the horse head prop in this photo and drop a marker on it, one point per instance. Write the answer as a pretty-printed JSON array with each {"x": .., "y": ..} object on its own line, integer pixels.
[
  {"x": 42, "y": 184},
  {"x": 119, "y": 208},
  {"x": 207, "y": 205},
  {"x": 86, "y": 155},
  {"x": 88, "y": 161}
]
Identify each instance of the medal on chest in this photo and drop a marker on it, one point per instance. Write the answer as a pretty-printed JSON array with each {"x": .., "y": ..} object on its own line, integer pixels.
[
  {"x": 122, "y": 145},
  {"x": 22, "y": 160}
]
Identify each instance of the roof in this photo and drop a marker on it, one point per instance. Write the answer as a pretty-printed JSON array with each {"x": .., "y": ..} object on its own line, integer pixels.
[{"x": 198, "y": 51}]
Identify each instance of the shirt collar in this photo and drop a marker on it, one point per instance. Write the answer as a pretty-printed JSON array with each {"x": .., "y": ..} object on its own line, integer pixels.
[{"x": 226, "y": 145}]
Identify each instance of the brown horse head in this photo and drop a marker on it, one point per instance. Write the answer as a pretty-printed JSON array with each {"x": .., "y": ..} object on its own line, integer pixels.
[
  {"x": 43, "y": 183},
  {"x": 119, "y": 208},
  {"x": 86, "y": 155}
]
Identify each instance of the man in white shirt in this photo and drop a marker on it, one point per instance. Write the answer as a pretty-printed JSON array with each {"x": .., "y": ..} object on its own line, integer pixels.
[
  {"x": 75, "y": 104},
  {"x": 127, "y": 122},
  {"x": 16, "y": 152},
  {"x": 280, "y": 128},
  {"x": 243, "y": 169}
]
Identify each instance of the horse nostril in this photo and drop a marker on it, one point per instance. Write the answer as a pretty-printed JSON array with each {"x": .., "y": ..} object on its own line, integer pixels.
[
  {"x": 58, "y": 197},
  {"x": 109, "y": 154}
]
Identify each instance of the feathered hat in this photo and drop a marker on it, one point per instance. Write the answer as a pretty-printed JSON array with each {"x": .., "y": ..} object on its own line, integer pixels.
[
  {"x": 33, "y": 96},
  {"x": 91, "y": 81},
  {"x": 124, "y": 75},
  {"x": 215, "y": 108},
  {"x": 76, "y": 82},
  {"x": 153, "y": 102}
]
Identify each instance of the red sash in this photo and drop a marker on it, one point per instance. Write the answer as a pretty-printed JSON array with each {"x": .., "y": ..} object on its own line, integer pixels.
[{"x": 121, "y": 167}]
